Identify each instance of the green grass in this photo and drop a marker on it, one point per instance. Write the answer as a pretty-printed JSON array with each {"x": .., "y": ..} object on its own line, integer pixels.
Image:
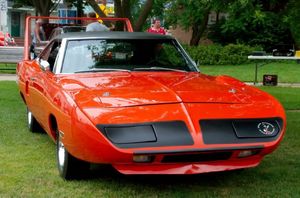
[
  {"x": 8, "y": 68},
  {"x": 287, "y": 72},
  {"x": 289, "y": 97},
  {"x": 28, "y": 165}
]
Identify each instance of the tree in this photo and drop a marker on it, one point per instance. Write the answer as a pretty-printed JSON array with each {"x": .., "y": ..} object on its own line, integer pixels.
[
  {"x": 194, "y": 15},
  {"x": 293, "y": 18},
  {"x": 96, "y": 8},
  {"x": 143, "y": 15},
  {"x": 126, "y": 9},
  {"x": 254, "y": 22},
  {"x": 141, "y": 9},
  {"x": 43, "y": 7}
]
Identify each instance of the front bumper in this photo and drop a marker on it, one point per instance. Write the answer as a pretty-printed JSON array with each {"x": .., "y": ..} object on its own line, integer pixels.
[
  {"x": 155, "y": 167},
  {"x": 116, "y": 144}
]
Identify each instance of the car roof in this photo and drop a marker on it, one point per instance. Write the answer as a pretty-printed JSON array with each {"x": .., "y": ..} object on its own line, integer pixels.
[{"x": 112, "y": 35}]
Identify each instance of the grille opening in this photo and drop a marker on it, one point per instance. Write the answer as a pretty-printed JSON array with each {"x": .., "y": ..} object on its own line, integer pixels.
[{"x": 197, "y": 157}]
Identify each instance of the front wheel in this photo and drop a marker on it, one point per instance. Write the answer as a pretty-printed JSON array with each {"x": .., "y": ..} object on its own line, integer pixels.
[
  {"x": 69, "y": 167},
  {"x": 32, "y": 124}
]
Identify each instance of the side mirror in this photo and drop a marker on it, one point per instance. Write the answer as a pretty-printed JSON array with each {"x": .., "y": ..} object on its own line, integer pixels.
[{"x": 44, "y": 65}]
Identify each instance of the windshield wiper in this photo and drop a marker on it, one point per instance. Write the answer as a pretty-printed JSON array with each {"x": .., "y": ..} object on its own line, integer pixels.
[
  {"x": 102, "y": 70},
  {"x": 157, "y": 69}
]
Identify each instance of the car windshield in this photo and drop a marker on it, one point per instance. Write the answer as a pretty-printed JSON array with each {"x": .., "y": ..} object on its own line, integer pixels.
[{"x": 124, "y": 55}]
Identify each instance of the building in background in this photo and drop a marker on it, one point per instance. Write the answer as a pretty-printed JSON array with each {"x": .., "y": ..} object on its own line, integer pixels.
[{"x": 14, "y": 20}]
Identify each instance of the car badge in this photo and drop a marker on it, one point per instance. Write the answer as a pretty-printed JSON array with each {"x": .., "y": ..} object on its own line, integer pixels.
[
  {"x": 266, "y": 128},
  {"x": 232, "y": 91},
  {"x": 106, "y": 94}
]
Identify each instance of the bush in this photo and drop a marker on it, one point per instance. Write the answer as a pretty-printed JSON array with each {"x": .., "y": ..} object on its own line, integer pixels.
[
  {"x": 231, "y": 54},
  {"x": 252, "y": 25}
]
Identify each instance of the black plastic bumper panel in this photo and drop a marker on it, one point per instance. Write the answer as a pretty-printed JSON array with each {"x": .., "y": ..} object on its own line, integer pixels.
[
  {"x": 197, "y": 157},
  {"x": 229, "y": 131},
  {"x": 139, "y": 135}
]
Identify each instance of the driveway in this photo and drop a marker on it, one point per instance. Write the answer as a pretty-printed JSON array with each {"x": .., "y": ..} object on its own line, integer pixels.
[{"x": 10, "y": 77}]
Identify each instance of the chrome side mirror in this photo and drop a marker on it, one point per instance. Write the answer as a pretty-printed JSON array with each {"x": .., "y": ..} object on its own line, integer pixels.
[{"x": 44, "y": 65}]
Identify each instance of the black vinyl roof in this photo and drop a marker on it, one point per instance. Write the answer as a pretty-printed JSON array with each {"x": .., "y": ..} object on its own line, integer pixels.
[{"x": 112, "y": 35}]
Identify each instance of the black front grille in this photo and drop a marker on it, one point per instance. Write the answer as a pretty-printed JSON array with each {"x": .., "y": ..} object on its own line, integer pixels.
[
  {"x": 197, "y": 157},
  {"x": 152, "y": 134},
  {"x": 238, "y": 131}
]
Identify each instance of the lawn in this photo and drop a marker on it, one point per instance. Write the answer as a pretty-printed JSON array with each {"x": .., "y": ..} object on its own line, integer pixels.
[
  {"x": 8, "y": 68},
  {"x": 28, "y": 165},
  {"x": 287, "y": 72}
]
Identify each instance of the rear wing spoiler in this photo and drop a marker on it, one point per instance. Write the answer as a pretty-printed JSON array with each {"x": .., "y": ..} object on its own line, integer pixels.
[{"x": 29, "y": 19}]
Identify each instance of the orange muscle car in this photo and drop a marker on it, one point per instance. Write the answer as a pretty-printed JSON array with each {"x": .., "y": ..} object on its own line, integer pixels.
[{"x": 137, "y": 101}]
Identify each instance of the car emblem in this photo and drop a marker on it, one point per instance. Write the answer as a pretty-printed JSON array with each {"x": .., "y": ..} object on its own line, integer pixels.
[
  {"x": 232, "y": 91},
  {"x": 266, "y": 128}
]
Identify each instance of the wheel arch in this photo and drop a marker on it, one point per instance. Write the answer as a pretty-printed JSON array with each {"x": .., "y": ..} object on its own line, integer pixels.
[
  {"x": 53, "y": 126},
  {"x": 23, "y": 98}
]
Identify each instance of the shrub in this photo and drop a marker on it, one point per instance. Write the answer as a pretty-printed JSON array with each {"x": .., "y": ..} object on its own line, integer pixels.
[{"x": 232, "y": 54}]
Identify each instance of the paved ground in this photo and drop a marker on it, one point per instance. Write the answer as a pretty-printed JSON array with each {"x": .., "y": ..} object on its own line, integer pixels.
[
  {"x": 12, "y": 77},
  {"x": 11, "y": 54}
]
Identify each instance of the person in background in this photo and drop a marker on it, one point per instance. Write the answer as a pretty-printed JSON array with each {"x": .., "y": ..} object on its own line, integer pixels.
[
  {"x": 38, "y": 36},
  {"x": 95, "y": 25},
  {"x": 39, "y": 33},
  {"x": 156, "y": 28}
]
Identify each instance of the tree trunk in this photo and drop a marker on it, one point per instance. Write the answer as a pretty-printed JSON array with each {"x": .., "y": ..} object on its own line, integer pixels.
[
  {"x": 143, "y": 15},
  {"x": 96, "y": 8},
  {"x": 127, "y": 9},
  {"x": 119, "y": 26},
  {"x": 118, "y": 8},
  {"x": 79, "y": 8},
  {"x": 44, "y": 8},
  {"x": 198, "y": 29},
  {"x": 217, "y": 16}
]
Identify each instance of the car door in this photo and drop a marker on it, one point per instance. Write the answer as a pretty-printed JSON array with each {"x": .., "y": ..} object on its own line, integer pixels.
[{"x": 40, "y": 82}]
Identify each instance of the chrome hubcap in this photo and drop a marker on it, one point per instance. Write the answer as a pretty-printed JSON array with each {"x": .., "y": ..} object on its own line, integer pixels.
[
  {"x": 61, "y": 153},
  {"x": 29, "y": 117}
]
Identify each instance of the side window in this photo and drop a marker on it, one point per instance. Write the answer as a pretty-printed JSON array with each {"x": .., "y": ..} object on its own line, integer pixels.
[
  {"x": 45, "y": 53},
  {"x": 50, "y": 53}
]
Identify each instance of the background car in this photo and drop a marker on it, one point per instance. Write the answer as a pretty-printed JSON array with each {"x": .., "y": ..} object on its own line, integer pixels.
[
  {"x": 283, "y": 50},
  {"x": 2, "y": 39},
  {"x": 6, "y": 39}
]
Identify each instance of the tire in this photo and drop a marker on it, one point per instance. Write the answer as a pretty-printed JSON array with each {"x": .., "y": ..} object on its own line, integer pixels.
[
  {"x": 68, "y": 166},
  {"x": 32, "y": 124}
]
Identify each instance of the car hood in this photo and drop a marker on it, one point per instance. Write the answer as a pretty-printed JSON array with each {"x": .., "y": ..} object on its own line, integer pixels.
[{"x": 120, "y": 89}]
